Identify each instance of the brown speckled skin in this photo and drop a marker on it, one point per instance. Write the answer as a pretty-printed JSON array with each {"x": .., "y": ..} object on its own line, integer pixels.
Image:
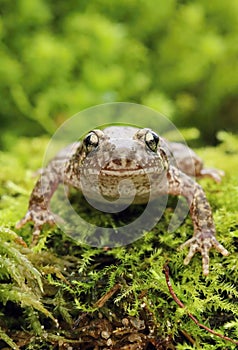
[{"x": 120, "y": 154}]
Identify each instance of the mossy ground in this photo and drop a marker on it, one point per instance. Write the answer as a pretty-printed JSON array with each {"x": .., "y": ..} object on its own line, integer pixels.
[{"x": 62, "y": 295}]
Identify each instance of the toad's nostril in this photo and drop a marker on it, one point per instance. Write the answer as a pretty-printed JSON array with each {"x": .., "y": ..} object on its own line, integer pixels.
[
  {"x": 117, "y": 161},
  {"x": 128, "y": 163}
]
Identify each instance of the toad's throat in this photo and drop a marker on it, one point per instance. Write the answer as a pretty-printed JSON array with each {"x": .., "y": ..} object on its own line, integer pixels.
[{"x": 125, "y": 184}]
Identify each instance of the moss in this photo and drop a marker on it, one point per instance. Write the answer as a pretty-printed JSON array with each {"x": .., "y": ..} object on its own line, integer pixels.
[{"x": 61, "y": 294}]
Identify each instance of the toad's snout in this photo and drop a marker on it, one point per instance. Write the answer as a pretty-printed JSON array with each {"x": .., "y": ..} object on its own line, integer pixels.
[
  {"x": 122, "y": 158},
  {"x": 122, "y": 164}
]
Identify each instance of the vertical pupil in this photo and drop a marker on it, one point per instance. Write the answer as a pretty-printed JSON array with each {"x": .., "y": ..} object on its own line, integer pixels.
[
  {"x": 152, "y": 140},
  {"x": 91, "y": 140}
]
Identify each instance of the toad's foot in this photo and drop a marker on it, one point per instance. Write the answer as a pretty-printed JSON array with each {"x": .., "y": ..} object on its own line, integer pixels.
[
  {"x": 202, "y": 242},
  {"x": 215, "y": 174},
  {"x": 39, "y": 217}
]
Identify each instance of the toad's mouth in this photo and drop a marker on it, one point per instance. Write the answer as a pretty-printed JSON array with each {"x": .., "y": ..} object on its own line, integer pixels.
[
  {"x": 127, "y": 171},
  {"x": 120, "y": 172}
]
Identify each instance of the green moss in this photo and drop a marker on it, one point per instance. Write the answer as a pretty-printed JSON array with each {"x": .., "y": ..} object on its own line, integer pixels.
[{"x": 61, "y": 280}]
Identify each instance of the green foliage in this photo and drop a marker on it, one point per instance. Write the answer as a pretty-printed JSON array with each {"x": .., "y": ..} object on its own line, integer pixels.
[
  {"x": 21, "y": 282},
  {"x": 60, "y": 279},
  {"x": 8, "y": 340},
  {"x": 177, "y": 57}
]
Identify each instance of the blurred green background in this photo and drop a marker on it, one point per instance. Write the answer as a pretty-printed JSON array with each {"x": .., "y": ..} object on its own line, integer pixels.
[{"x": 60, "y": 57}]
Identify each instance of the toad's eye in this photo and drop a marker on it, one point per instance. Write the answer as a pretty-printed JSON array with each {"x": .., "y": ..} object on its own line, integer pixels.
[
  {"x": 91, "y": 141},
  {"x": 152, "y": 140}
]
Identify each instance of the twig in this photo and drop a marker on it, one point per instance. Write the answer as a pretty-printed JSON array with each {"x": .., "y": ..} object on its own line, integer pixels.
[
  {"x": 100, "y": 303},
  {"x": 180, "y": 304},
  {"x": 107, "y": 296}
]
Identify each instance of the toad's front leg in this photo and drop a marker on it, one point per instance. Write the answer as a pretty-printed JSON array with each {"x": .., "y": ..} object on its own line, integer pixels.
[
  {"x": 204, "y": 229},
  {"x": 38, "y": 209}
]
